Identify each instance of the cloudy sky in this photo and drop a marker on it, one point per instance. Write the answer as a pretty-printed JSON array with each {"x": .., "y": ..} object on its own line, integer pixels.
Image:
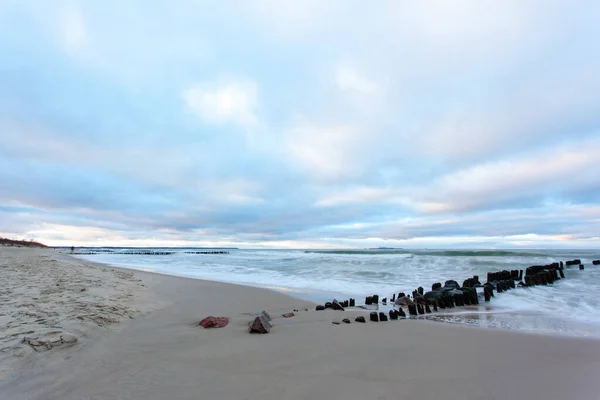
[{"x": 307, "y": 123}]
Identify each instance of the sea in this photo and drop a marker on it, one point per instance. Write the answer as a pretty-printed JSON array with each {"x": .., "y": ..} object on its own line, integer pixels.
[{"x": 570, "y": 306}]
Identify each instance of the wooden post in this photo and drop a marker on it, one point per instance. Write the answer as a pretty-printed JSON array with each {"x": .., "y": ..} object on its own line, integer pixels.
[{"x": 412, "y": 309}]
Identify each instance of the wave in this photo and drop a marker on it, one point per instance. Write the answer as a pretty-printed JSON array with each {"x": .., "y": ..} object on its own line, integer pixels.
[
  {"x": 368, "y": 252},
  {"x": 441, "y": 253},
  {"x": 482, "y": 253}
]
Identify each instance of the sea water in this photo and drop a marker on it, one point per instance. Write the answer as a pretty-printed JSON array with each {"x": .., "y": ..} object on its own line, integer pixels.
[{"x": 570, "y": 306}]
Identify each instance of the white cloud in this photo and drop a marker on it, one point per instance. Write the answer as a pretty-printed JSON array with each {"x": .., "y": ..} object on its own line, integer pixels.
[
  {"x": 292, "y": 19},
  {"x": 327, "y": 151},
  {"x": 575, "y": 166},
  {"x": 348, "y": 79},
  {"x": 72, "y": 28},
  {"x": 360, "y": 195},
  {"x": 230, "y": 192},
  {"x": 222, "y": 102},
  {"x": 461, "y": 23},
  {"x": 545, "y": 104}
]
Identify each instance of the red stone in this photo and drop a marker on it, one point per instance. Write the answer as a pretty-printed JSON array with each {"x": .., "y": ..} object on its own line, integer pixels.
[{"x": 214, "y": 322}]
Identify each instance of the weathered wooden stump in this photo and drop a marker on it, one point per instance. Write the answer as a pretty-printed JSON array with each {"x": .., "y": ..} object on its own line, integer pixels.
[
  {"x": 369, "y": 300},
  {"x": 373, "y": 317},
  {"x": 401, "y": 313},
  {"x": 420, "y": 290},
  {"x": 581, "y": 267},
  {"x": 412, "y": 309},
  {"x": 427, "y": 309},
  {"x": 393, "y": 315},
  {"x": 352, "y": 302},
  {"x": 451, "y": 284},
  {"x": 320, "y": 308},
  {"x": 382, "y": 317},
  {"x": 376, "y": 299},
  {"x": 360, "y": 319},
  {"x": 474, "y": 297},
  {"x": 420, "y": 309},
  {"x": 450, "y": 302}
]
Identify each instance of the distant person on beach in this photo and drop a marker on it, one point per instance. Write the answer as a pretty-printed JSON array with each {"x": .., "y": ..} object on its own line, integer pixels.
[{"x": 72, "y": 249}]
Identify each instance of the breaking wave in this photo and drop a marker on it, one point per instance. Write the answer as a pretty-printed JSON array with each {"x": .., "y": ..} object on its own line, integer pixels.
[{"x": 441, "y": 253}]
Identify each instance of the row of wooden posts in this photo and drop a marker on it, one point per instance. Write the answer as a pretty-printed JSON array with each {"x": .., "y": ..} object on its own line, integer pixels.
[
  {"x": 150, "y": 253},
  {"x": 453, "y": 295}
]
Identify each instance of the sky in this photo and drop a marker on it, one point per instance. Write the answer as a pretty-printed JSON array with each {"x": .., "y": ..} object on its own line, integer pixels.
[{"x": 301, "y": 123}]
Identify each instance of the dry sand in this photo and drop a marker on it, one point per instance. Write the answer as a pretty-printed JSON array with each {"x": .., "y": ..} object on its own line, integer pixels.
[
  {"x": 163, "y": 354},
  {"x": 45, "y": 295}
]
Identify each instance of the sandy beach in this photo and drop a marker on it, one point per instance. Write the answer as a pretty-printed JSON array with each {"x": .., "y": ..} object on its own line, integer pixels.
[{"x": 135, "y": 335}]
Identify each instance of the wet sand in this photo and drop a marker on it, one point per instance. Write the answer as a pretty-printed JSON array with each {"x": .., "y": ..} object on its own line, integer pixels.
[{"x": 147, "y": 345}]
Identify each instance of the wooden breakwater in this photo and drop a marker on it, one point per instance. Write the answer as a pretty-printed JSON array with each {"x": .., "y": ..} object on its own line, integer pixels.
[
  {"x": 206, "y": 252},
  {"x": 451, "y": 294}
]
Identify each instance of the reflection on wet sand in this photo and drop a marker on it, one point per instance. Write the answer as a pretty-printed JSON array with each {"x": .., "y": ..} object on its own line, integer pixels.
[{"x": 485, "y": 317}]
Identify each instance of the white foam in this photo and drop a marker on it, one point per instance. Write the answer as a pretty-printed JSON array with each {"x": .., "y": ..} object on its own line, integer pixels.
[{"x": 323, "y": 275}]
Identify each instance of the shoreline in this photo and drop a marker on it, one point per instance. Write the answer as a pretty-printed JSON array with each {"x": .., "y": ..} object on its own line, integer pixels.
[
  {"x": 163, "y": 353},
  {"x": 466, "y": 313},
  {"x": 525, "y": 322}
]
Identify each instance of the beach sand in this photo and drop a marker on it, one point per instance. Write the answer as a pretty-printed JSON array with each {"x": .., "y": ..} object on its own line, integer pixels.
[{"x": 138, "y": 338}]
